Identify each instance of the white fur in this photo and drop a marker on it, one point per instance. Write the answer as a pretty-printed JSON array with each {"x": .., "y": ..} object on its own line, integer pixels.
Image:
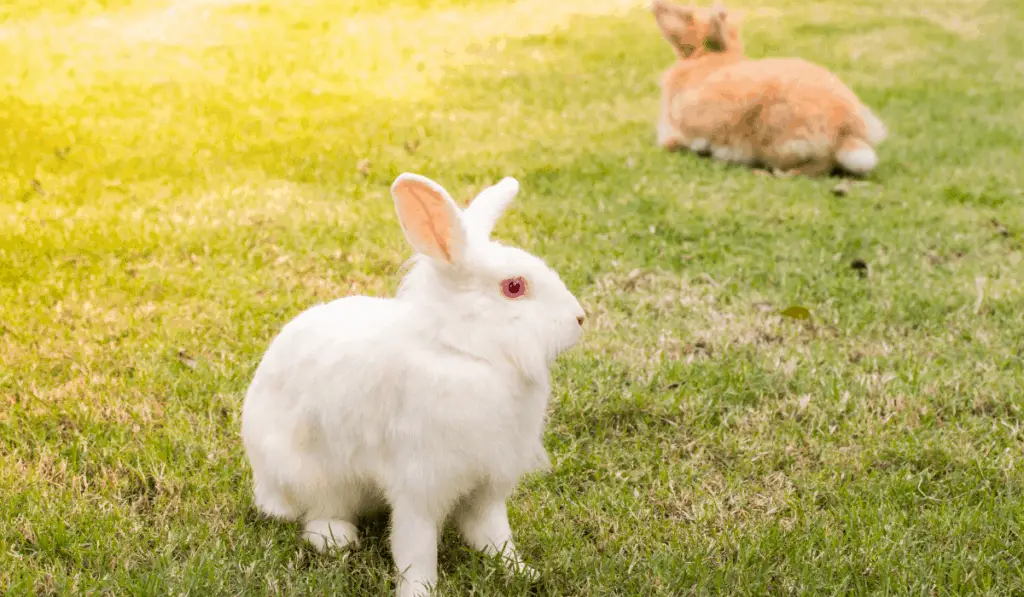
[
  {"x": 731, "y": 154},
  {"x": 667, "y": 134},
  {"x": 699, "y": 145},
  {"x": 861, "y": 160},
  {"x": 432, "y": 402},
  {"x": 798, "y": 150},
  {"x": 876, "y": 131}
]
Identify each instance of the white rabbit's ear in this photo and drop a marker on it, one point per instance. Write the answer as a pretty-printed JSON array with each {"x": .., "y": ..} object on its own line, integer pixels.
[
  {"x": 485, "y": 210},
  {"x": 430, "y": 218}
]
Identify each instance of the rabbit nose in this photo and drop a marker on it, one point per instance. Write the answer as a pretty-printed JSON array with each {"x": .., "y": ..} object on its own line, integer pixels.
[{"x": 580, "y": 318}]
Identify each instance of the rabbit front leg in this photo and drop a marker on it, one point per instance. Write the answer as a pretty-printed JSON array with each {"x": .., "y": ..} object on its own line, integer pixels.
[
  {"x": 414, "y": 536},
  {"x": 483, "y": 522},
  {"x": 668, "y": 136}
]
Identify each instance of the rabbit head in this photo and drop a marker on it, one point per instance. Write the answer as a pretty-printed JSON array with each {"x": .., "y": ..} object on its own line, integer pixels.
[
  {"x": 694, "y": 32},
  {"x": 479, "y": 296}
]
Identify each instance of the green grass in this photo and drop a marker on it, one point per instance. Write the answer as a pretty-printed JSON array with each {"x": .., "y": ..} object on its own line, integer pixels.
[{"x": 176, "y": 184}]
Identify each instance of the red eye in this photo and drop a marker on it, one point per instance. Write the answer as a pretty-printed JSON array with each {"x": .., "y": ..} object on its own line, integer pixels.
[{"x": 513, "y": 288}]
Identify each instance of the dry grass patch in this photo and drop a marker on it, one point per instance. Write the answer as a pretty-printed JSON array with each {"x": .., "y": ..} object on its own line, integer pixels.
[{"x": 643, "y": 318}]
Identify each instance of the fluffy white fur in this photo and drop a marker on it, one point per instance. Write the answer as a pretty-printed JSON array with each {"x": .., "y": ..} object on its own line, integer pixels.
[
  {"x": 857, "y": 157},
  {"x": 876, "y": 129},
  {"x": 431, "y": 403}
]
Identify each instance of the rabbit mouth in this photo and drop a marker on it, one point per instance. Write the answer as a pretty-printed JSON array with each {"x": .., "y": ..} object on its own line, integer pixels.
[{"x": 570, "y": 342}]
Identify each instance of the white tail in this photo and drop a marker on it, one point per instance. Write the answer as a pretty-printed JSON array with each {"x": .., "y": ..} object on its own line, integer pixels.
[
  {"x": 856, "y": 156},
  {"x": 875, "y": 128}
]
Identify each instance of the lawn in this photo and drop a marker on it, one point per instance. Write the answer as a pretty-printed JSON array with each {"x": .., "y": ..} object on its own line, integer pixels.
[{"x": 178, "y": 178}]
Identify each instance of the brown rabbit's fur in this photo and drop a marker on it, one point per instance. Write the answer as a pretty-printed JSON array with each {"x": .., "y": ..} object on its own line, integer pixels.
[{"x": 781, "y": 113}]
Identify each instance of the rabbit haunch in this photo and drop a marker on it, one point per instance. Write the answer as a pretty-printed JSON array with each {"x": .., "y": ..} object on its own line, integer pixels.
[
  {"x": 432, "y": 402},
  {"x": 781, "y": 113}
]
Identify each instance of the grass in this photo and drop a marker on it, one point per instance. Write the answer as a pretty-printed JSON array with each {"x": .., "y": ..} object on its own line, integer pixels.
[{"x": 179, "y": 178}]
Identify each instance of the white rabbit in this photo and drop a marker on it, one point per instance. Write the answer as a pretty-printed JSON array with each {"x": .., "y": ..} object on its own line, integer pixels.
[{"x": 432, "y": 402}]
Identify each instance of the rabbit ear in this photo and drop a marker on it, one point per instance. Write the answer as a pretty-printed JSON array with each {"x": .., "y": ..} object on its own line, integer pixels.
[
  {"x": 429, "y": 217},
  {"x": 667, "y": 9},
  {"x": 674, "y": 21},
  {"x": 718, "y": 31},
  {"x": 718, "y": 16},
  {"x": 485, "y": 210}
]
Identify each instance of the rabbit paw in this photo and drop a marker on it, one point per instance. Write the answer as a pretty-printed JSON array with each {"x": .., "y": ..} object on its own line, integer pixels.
[{"x": 326, "y": 535}]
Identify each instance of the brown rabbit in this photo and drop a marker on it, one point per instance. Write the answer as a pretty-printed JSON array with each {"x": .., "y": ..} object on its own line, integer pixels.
[{"x": 781, "y": 113}]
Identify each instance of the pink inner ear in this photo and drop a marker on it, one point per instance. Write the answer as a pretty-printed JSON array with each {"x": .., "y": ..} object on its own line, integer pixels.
[{"x": 426, "y": 218}]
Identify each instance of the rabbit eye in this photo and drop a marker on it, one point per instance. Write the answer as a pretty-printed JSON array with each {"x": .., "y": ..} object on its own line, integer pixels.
[{"x": 513, "y": 288}]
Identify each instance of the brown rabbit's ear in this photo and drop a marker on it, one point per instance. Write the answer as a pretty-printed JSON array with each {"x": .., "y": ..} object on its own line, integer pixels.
[
  {"x": 718, "y": 28},
  {"x": 675, "y": 22},
  {"x": 718, "y": 15}
]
